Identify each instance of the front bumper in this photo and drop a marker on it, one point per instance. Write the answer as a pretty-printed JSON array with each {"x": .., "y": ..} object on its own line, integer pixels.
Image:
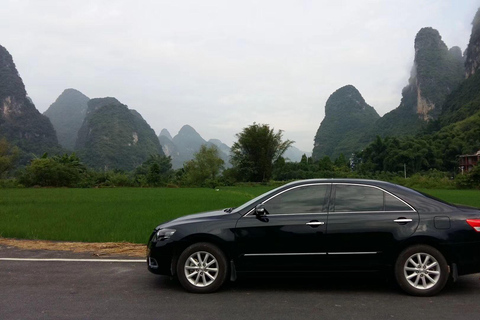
[{"x": 160, "y": 256}]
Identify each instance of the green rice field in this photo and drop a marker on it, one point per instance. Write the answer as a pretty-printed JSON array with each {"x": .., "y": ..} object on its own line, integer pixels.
[
  {"x": 100, "y": 215},
  {"x": 126, "y": 214}
]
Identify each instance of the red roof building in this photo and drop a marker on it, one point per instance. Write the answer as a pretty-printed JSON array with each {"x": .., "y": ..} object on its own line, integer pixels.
[{"x": 468, "y": 161}]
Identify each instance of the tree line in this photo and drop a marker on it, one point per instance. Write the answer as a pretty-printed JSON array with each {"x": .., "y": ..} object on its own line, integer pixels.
[{"x": 256, "y": 156}]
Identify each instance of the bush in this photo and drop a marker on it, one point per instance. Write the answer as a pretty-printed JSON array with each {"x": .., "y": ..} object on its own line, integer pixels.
[{"x": 58, "y": 171}]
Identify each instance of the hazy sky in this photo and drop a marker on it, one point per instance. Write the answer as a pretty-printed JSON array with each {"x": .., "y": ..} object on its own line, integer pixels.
[{"x": 222, "y": 65}]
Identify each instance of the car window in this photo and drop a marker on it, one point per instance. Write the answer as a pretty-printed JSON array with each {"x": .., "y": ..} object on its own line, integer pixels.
[
  {"x": 350, "y": 198},
  {"x": 393, "y": 204},
  {"x": 306, "y": 199},
  {"x": 249, "y": 203}
]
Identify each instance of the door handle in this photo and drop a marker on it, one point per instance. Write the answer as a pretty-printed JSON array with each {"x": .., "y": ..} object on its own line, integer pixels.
[
  {"x": 315, "y": 223},
  {"x": 402, "y": 220}
]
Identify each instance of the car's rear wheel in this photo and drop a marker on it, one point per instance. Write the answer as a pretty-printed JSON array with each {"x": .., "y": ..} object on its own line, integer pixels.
[
  {"x": 421, "y": 270},
  {"x": 202, "y": 268}
]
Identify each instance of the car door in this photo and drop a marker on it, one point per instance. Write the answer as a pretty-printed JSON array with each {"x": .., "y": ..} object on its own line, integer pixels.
[
  {"x": 365, "y": 223},
  {"x": 291, "y": 236}
]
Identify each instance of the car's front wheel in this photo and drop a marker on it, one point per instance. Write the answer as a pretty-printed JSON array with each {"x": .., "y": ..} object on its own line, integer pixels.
[
  {"x": 202, "y": 268},
  {"x": 421, "y": 270}
]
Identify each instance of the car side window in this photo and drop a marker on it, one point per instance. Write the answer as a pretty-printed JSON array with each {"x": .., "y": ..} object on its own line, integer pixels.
[
  {"x": 393, "y": 204},
  {"x": 351, "y": 198},
  {"x": 306, "y": 199}
]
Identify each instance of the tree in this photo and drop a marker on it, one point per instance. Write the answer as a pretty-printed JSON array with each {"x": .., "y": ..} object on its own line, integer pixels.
[
  {"x": 8, "y": 155},
  {"x": 57, "y": 171},
  {"x": 325, "y": 164},
  {"x": 155, "y": 171},
  {"x": 257, "y": 148},
  {"x": 205, "y": 168}
]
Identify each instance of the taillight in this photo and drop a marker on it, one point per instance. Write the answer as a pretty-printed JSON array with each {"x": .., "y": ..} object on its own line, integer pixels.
[{"x": 474, "y": 223}]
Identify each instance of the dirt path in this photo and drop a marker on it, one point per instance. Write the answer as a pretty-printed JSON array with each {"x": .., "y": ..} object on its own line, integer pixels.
[{"x": 97, "y": 249}]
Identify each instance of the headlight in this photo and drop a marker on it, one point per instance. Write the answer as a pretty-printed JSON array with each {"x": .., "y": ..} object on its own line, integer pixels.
[{"x": 164, "y": 234}]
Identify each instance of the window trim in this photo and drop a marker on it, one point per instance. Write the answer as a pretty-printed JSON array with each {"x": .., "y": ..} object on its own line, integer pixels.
[
  {"x": 366, "y": 211},
  {"x": 328, "y": 184},
  {"x": 332, "y": 201}
]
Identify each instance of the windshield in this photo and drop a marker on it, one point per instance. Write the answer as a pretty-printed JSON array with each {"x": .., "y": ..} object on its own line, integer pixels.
[{"x": 249, "y": 203}]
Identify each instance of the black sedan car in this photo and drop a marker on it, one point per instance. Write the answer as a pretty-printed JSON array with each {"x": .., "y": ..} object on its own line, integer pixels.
[{"x": 323, "y": 225}]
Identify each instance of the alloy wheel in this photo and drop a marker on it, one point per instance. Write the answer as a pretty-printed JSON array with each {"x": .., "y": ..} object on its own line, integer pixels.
[
  {"x": 422, "y": 271},
  {"x": 201, "y": 269}
]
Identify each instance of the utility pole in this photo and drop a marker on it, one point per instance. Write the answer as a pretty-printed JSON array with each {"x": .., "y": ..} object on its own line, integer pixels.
[{"x": 405, "y": 170}]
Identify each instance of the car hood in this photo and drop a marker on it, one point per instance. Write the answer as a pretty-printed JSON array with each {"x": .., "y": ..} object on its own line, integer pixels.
[{"x": 197, "y": 217}]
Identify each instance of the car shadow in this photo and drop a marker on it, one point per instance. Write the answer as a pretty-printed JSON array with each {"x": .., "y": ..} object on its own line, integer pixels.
[{"x": 337, "y": 283}]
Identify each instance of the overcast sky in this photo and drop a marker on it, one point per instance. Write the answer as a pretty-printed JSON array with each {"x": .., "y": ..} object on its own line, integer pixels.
[{"x": 220, "y": 65}]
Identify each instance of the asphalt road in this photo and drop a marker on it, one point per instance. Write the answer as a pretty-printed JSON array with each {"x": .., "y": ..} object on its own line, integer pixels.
[{"x": 107, "y": 290}]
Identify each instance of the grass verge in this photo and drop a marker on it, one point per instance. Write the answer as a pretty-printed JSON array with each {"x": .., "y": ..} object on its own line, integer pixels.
[{"x": 106, "y": 215}]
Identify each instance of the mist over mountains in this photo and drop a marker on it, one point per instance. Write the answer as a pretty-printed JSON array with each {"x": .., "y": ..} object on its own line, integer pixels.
[
  {"x": 67, "y": 114},
  {"x": 437, "y": 71},
  {"x": 441, "y": 101},
  {"x": 183, "y": 146}
]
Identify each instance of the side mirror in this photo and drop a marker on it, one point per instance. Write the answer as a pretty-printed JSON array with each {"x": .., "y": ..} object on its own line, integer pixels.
[{"x": 260, "y": 210}]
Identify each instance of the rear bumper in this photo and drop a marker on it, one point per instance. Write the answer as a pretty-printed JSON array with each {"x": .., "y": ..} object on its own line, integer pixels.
[{"x": 467, "y": 257}]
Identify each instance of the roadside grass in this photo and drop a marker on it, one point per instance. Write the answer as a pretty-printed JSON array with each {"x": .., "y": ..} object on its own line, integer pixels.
[
  {"x": 127, "y": 214},
  {"x": 104, "y": 215}
]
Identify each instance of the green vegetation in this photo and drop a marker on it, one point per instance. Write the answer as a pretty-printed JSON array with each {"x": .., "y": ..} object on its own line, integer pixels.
[
  {"x": 438, "y": 70},
  {"x": 155, "y": 172},
  {"x": 472, "y": 58},
  {"x": 462, "y": 197},
  {"x": 126, "y": 214},
  {"x": 435, "y": 151},
  {"x": 347, "y": 117},
  {"x": 20, "y": 122},
  {"x": 57, "y": 171},
  {"x": 109, "y": 214},
  {"x": 257, "y": 148},
  {"x": 462, "y": 103},
  {"x": 8, "y": 155},
  {"x": 114, "y": 137},
  {"x": 204, "y": 169}
]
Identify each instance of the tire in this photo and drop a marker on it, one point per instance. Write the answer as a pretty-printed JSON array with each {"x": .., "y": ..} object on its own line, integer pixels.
[
  {"x": 421, "y": 270},
  {"x": 202, "y": 268}
]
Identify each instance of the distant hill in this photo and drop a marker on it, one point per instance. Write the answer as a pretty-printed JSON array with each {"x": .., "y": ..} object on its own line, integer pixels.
[
  {"x": 67, "y": 114},
  {"x": 457, "y": 130},
  {"x": 465, "y": 100},
  {"x": 186, "y": 143},
  {"x": 472, "y": 58},
  {"x": 437, "y": 72},
  {"x": 20, "y": 122},
  {"x": 293, "y": 154},
  {"x": 114, "y": 137},
  {"x": 220, "y": 145},
  {"x": 347, "y": 116},
  {"x": 169, "y": 147}
]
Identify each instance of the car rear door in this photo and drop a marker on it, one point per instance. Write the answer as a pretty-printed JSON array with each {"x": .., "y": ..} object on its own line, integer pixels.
[{"x": 365, "y": 223}]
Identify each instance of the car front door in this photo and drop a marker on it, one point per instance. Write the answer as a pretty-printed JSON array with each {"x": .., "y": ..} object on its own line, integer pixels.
[
  {"x": 291, "y": 237},
  {"x": 365, "y": 223}
]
